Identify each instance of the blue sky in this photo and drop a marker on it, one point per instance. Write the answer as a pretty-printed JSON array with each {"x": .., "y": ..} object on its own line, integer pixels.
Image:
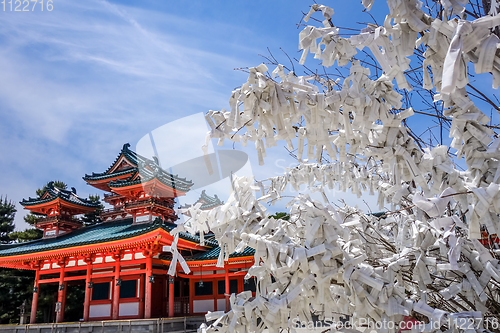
[{"x": 78, "y": 82}]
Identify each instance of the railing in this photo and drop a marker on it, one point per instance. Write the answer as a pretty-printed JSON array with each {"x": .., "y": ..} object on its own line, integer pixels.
[
  {"x": 112, "y": 210},
  {"x": 57, "y": 218},
  {"x": 111, "y": 195},
  {"x": 160, "y": 325},
  {"x": 149, "y": 202}
]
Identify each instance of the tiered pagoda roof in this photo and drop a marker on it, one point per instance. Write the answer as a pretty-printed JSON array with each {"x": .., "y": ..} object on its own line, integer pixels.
[
  {"x": 126, "y": 163},
  {"x": 53, "y": 195},
  {"x": 149, "y": 172},
  {"x": 130, "y": 169}
]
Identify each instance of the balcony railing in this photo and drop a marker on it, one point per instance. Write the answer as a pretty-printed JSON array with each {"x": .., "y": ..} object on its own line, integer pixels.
[
  {"x": 106, "y": 195},
  {"x": 149, "y": 202},
  {"x": 57, "y": 218},
  {"x": 112, "y": 211}
]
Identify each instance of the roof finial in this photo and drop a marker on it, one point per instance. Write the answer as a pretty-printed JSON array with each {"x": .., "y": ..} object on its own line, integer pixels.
[{"x": 126, "y": 146}]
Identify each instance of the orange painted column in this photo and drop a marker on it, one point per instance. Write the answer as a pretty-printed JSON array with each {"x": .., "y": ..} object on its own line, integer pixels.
[
  {"x": 141, "y": 296},
  {"x": 148, "y": 287},
  {"x": 191, "y": 295},
  {"x": 116, "y": 291},
  {"x": 88, "y": 292},
  {"x": 226, "y": 277},
  {"x": 170, "y": 296},
  {"x": 34, "y": 303},
  {"x": 61, "y": 294}
]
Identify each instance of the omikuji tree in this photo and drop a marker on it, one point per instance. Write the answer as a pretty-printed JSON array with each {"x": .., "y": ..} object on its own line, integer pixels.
[{"x": 422, "y": 257}]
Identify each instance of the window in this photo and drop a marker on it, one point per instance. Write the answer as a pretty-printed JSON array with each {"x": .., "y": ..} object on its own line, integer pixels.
[
  {"x": 128, "y": 289},
  {"x": 249, "y": 285},
  {"x": 206, "y": 290},
  {"x": 177, "y": 289},
  {"x": 233, "y": 286},
  {"x": 100, "y": 291}
]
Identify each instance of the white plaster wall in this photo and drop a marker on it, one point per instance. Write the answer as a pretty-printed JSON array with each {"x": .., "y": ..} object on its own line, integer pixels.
[
  {"x": 82, "y": 263},
  {"x": 102, "y": 272},
  {"x": 45, "y": 266},
  {"x": 221, "y": 305},
  {"x": 128, "y": 309},
  {"x": 129, "y": 269},
  {"x": 71, "y": 263},
  {"x": 50, "y": 233},
  {"x": 139, "y": 256},
  {"x": 109, "y": 259},
  {"x": 203, "y": 305},
  {"x": 100, "y": 310},
  {"x": 127, "y": 256}
]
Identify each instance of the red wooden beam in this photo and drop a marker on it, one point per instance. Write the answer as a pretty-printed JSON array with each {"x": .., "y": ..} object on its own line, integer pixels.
[
  {"x": 226, "y": 278},
  {"x": 34, "y": 303},
  {"x": 171, "y": 296},
  {"x": 61, "y": 295},
  {"x": 147, "y": 299},
  {"x": 88, "y": 293},
  {"x": 116, "y": 291}
]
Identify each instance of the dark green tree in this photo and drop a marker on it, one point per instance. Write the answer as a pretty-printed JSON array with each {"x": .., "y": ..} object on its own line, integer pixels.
[
  {"x": 94, "y": 216},
  {"x": 7, "y": 213},
  {"x": 26, "y": 235},
  {"x": 15, "y": 285},
  {"x": 57, "y": 183},
  {"x": 283, "y": 216}
]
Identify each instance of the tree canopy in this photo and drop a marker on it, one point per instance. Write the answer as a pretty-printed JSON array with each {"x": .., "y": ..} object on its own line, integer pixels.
[{"x": 7, "y": 214}]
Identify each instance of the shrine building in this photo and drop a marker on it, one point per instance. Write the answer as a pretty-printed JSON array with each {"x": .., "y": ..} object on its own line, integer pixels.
[{"x": 121, "y": 262}]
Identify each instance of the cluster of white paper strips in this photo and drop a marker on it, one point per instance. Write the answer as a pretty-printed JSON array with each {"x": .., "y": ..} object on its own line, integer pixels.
[{"x": 424, "y": 257}]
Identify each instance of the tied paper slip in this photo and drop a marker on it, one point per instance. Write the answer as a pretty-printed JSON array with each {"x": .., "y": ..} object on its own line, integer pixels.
[{"x": 423, "y": 247}]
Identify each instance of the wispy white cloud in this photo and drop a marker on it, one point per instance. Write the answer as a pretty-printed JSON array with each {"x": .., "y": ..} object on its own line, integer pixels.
[{"x": 78, "y": 82}]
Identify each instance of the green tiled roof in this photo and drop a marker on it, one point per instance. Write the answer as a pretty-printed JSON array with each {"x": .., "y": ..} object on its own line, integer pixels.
[
  {"x": 99, "y": 176},
  {"x": 54, "y": 192},
  {"x": 99, "y": 233},
  {"x": 213, "y": 254},
  {"x": 146, "y": 175}
]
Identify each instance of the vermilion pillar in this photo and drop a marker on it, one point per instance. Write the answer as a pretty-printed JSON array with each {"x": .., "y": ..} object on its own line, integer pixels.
[
  {"x": 116, "y": 292},
  {"x": 170, "y": 296},
  {"x": 61, "y": 294},
  {"x": 226, "y": 294},
  {"x": 34, "y": 303},
  {"x": 141, "y": 297},
  {"x": 149, "y": 285},
  {"x": 88, "y": 292}
]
